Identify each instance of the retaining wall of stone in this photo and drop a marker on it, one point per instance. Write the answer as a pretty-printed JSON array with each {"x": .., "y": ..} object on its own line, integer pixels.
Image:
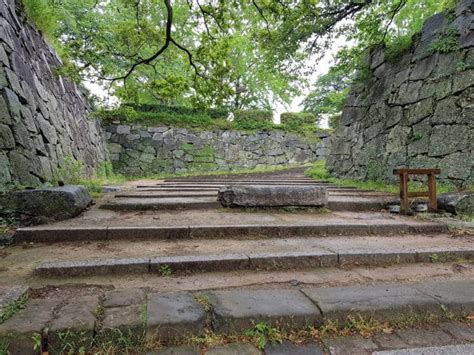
[
  {"x": 43, "y": 116},
  {"x": 415, "y": 112},
  {"x": 141, "y": 151}
]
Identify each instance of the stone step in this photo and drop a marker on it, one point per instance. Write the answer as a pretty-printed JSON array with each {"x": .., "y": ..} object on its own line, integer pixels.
[
  {"x": 183, "y": 315},
  {"x": 254, "y": 229},
  {"x": 217, "y": 187},
  {"x": 162, "y": 203},
  {"x": 291, "y": 254},
  {"x": 196, "y": 202},
  {"x": 230, "y": 181}
]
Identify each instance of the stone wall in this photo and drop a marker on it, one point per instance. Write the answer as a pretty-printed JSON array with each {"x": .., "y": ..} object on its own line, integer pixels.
[
  {"x": 417, "y": 111},
  {"x": 140, "y": 151},
  {"x": 43, "y": 116}
]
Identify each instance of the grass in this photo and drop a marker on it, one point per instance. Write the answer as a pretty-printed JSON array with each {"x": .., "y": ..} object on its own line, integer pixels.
[
  {"x": 12, "y": 308},
  {"x": 319, "y": 172}
]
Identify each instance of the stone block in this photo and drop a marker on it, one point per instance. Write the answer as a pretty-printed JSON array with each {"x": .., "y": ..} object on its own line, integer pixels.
[
  {"x": 74, "y": 323},
  {"x": 7, "y": 141},
  {"x": 125, "y": 297},
  {"x": 354, "y": 345},
  {"x": 455, "y": 295},
  {"x": 287, "y": 348},
  {"x": 129, "y": 320},
  {"x": 446, "y": 139},
  {"x": 238, "y": 310},
  {"x": 18, "y": 331},
  {"x": 4, "y": 112},
  {"x": 56, "y": 203},
  {"x": 174, "y": 316},
  {"x": 384, "y": 302},
  {"x": 234, "y": 349},
  {"x": 272, "y": 196},
  {"x": 458, "y": 330}
]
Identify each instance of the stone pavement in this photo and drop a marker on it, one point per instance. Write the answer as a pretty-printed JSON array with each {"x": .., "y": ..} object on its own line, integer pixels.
[
  {"x": 88, "y": 319},
  {"x": 449, "y": 338}
]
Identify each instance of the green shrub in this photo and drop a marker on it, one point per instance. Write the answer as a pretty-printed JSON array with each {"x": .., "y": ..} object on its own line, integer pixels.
[
  {"x": 127, "y": 114},
  {"x": 181, "y": 110},
  {"x": 253, "y": 115},
  {"x": 298, "y": 118}
]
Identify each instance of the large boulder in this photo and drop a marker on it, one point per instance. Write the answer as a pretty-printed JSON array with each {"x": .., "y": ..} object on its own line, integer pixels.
[
  {"x": 273, "y": 196},
  {"x": 51, "y": 204},
  {"x": 459, "y": 203}
]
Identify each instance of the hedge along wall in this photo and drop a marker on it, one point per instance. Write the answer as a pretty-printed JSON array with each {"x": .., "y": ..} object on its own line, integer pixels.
[
  {"x": 43, "y": 117},
  {"x": 417, "y": 111},
  {"x": 141, "y": 151}
]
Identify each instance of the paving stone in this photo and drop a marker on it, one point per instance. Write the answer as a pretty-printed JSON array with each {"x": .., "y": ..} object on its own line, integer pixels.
[
  {"x": 128, "y": 320},
  {"x": 389, "y": 341},
  {"x": 383, "y": 302},
  {"x": 441, "y": 350},
  {"x": 458, "y": 330},
  {"x": 19, "y": 329},
  {"x": 242, "y": 309},
  {"x": 425, "y": 337},
  {"x": 174, "y": 315},
  {"x": 287, "y": 348},
  {"x": 125, "y": 297},
  {"x": 176, "y": 350},
  {"x": 11, "y": 294},
  {"x": 456, "y": 295},
  {"x": 354, "y": 345},
  {"x": 234, "y": 349},
  {"x": 74, "y": 323}
]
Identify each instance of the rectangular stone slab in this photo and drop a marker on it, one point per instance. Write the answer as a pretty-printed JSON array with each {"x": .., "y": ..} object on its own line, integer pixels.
[
  {"x": 273, "y": 196},
  {"x": 242, "y": 309},
  {"x": 383, "y": 302}
]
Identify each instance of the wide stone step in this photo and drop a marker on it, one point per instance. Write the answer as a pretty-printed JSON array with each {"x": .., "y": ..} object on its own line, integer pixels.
[
  {"x": 163, "y": 203},
  {"x": 246, "y": 181},
  {"x": 319, "y": 228},
  {"x": 152, "y": 202},
  {"x": 182, "y": 315},
  {"x": 294, "y": 254}
]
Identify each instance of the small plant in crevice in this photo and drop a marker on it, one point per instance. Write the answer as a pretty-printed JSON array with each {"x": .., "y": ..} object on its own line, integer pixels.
[
  {"x": 37, "y": 342},
  {"x": 12, "y": 308},
  {"x": 434, "y": 258},
  {"x": 447, "y": 42},
  {"x": 203, "y": 300},
  {"x": 262, "y": 334},
  {"x": 165, "y": 270}
]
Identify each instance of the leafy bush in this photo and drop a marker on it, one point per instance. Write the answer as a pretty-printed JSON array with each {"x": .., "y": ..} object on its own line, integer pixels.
[
  {"x": 253, "y": 115},
  {"x": 298, "y": 118},
  {"x": 128, "y": 114},
  {"x": 181, "y": 110}
]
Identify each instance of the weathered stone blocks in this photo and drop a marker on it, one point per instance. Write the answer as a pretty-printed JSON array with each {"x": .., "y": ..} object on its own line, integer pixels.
[
  {"x": 429, "y": 120},
  {"x": 273, "y": 196},
  {"x": 52, "y": 204},
  {"x": 37, "y": 106}
]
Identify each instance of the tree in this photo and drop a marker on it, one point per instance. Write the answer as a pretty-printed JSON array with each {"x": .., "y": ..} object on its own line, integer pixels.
[{"x": 231, "y": 53}]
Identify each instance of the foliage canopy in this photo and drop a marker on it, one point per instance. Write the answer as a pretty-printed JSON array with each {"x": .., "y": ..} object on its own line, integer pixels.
[{"x": 232, "y": 54}]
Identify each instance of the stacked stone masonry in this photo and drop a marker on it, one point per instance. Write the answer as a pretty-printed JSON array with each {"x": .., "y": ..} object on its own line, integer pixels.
[
  {"x": 140, "y": 151},
  {"x": 43, "y": 116},
  {"x": 416, "y": 111}
]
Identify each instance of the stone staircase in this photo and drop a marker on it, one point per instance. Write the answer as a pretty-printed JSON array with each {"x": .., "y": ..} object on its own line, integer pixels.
[{"x": 165, "y": 247}]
